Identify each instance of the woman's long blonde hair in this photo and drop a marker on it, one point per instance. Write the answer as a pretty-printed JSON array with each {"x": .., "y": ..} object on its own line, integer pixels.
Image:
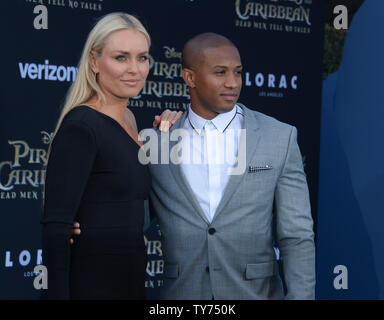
[{"x": 85, "y": 85}]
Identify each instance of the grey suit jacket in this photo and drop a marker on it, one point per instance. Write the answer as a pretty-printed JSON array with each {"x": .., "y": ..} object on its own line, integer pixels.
[{"x": 233, "y": 257}]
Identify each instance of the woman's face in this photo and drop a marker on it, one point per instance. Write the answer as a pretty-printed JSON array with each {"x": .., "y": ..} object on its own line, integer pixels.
[{"x": 123, "y": 65}]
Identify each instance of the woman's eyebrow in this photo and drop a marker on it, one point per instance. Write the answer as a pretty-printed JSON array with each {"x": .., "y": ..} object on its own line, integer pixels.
[{"x": 128, "y": 53}]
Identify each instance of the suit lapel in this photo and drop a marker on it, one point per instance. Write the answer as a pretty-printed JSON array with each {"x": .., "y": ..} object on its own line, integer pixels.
[
  {"x": 179, "y": 176},
  {"x": 251, "y": 141}
]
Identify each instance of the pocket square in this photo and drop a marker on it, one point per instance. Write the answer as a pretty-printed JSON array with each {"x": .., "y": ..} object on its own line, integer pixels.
[{"x": 253, "y": 169}]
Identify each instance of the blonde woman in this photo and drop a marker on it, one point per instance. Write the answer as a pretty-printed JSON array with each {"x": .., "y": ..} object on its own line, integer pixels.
[{"x": 93, "y": 172}]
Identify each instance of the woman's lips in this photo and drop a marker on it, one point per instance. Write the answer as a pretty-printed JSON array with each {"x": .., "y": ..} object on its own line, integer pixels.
[{"x": 131, "y": 83}]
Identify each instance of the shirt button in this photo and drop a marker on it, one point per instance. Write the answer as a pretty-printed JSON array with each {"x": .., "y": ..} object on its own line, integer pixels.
[{"x": 212, "y": 230}]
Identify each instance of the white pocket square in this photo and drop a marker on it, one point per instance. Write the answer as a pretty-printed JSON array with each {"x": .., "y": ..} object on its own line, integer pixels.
[{"x": 253, "y": 169}]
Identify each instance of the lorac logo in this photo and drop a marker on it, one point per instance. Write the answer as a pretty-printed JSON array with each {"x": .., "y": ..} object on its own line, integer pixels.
[
  {"x": 24, "y": 172},
  {"x": 272, "y": 84},
  {"x": 274, "y": 15},
  {"x": 23, "y": 258}
]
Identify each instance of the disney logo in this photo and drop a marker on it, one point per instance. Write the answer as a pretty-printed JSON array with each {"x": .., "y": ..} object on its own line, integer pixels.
[
  {"x": 47, "y": 137},
  {"x": 171, "y": 53}
]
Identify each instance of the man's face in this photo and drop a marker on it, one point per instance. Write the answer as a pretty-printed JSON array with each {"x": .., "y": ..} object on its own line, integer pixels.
[{"x": 217, "y": 80}]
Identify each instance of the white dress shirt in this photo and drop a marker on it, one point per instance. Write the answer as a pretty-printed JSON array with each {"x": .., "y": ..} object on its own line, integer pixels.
[{"x": 213, "y": 146}]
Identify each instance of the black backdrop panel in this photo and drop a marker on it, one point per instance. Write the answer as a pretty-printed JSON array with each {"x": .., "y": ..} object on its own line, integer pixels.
[{"x": 280, "y": 43}]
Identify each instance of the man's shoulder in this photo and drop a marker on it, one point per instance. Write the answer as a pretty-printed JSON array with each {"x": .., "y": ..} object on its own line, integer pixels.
[{"x": 264, "y": 121}]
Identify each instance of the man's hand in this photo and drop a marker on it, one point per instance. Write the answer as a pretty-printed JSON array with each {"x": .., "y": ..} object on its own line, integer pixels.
[
  {"x": 166, "y": 120},
  {"x": 75, "y": 231}
]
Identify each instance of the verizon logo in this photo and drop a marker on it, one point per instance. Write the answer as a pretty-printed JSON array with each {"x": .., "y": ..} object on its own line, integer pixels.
[{"x": 47, "y": 71}]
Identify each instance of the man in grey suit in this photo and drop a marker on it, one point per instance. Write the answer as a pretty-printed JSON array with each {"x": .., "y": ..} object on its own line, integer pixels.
[{"x": 219, "y": 230}]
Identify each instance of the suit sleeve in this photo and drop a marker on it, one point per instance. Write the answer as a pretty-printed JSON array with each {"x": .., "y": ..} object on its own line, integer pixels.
[
  {"x": 294, "y": 225},
  {"x": 70, "y": 163}
]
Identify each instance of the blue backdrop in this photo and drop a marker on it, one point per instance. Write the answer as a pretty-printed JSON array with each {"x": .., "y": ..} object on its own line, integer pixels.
[{"x": 351, "y": 187}]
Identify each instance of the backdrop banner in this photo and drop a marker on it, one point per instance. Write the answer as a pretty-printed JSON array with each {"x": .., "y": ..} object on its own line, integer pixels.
[{"x": 280, "y": 42}]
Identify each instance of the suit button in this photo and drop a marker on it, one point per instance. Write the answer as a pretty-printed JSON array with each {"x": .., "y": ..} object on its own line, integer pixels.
[
  {"x": 207, "y": 269},
  {"x": 211, "y": 230}
]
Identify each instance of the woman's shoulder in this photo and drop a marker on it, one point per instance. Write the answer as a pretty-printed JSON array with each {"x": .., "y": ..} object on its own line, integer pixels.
[
  {"x": 79, "y": 122},
  {"x": 82, "y": 115}
]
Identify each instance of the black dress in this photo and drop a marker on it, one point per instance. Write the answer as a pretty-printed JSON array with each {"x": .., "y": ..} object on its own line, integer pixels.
[{"x": 94, "y": 177}]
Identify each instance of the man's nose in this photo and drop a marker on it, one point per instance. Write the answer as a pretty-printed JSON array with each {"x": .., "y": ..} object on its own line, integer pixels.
[{"x": 232, "y": 81}]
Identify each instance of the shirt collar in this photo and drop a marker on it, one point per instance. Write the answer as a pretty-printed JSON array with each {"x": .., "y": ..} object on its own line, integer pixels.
[{"x": 221, "y": 121}]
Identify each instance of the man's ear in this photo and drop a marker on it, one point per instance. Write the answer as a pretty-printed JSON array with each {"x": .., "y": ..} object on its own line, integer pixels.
[
  {"x": 189, "y": 77},
  {"x": 93, "y": 63}
]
